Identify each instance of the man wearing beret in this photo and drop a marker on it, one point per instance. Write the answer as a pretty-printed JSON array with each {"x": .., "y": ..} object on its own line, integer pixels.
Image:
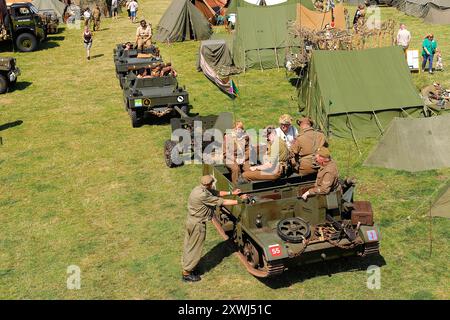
[
  {"x": 328, "y": 176},
  {"x": 201, "y": 205},
  {"x": 305, "y": 146}
]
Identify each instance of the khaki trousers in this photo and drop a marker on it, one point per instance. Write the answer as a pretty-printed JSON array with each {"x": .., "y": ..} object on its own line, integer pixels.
[
  {"x": 193, "y": 244},
  {"x": 142, "y": 44},
  {"x": 260, "y": 175},
  {"x": 236, "y": 169}
]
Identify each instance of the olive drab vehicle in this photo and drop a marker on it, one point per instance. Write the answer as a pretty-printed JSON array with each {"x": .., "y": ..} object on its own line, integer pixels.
[
  {"x": 276, "y": 229},
  {"x": 180, "y": 149},
  {"x": 8, "y": 73},
  {"x": 157, "y": 96},
  {"x": 21, "y": 23}
]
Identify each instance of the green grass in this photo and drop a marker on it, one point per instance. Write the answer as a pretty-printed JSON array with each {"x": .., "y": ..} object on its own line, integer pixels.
[{"x": 79, "y": 186}]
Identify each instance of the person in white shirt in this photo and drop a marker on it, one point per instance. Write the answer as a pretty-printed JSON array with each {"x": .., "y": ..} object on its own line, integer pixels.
[
  {"x": 403, "y": 37},
  {"x": 133, "y": 6},
  {"x": 286, "y": 131},
  {"x": 87, "y": 17}
]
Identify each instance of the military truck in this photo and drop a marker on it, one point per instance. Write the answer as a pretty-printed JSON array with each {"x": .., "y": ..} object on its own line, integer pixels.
[
  {"x": 276, "y": 229},
  {"x": 8, "y": 73},
  {"x": 21, "y": 23}
]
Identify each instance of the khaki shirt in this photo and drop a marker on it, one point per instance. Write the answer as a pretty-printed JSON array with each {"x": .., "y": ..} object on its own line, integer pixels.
[
  {"x": 327, "y": 179},
  {"x": 307, "y": 142},
  {"x": 144, "y": 32},
  {"x": 96, "y": 13},
  {"x": 202, "y": 203},
  {"x": 236, "y": 149}
]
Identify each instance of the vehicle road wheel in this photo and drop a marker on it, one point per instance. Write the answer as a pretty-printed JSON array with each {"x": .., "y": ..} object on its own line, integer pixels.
[
  {"x": 26, "y": 42},
  {"x": 3, "y": 84},
  {"x": 171, "y": 155},
  {"x": 136, "y": 120}
]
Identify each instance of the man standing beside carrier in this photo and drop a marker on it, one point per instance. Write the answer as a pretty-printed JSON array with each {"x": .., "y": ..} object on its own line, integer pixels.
[{"x": 202, "y": 202}]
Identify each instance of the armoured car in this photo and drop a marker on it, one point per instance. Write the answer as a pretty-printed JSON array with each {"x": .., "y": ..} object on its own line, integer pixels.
[
  {"x": 8, "y": 73},
  {"x": 276, "y": 229},
  {"x": 154, "y": 96}
]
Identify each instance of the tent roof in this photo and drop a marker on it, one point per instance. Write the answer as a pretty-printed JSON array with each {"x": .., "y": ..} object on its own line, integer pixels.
[
  {"x": 234, "y": 4},
  {"x": 55, "y": 5},
  {"x": 439, "y": 3},
  {"x": 183, "y": 21},
  {"x": 316, "y": 20},
  {"x": 363, "y": 81},
  {"x": 441, "y": 206},
  {"x": 398, "y": 148},
  {"x": 437, "y": 15}
]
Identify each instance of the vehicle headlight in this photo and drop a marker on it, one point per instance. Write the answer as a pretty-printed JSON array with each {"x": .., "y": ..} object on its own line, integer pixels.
[{"x": 180, "y": 99}]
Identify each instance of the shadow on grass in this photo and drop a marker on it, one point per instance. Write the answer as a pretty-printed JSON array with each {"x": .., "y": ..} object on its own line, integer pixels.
[
  {"x": 10, "y": 125},
  {"x": 21, "y": 86},
  {"x": 214, "y": 257},
  {"x": 48, "y": 45},
  {"x": 297, "y": 274},
  {"x": 56, "y": 38},
  {"x": 97, "y": 56}
]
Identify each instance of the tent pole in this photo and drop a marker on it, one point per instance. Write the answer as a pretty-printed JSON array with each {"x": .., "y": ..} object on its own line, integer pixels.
[
  {"x": 353, "y": 134},
  {"x": 378, "y": 123},
  {"x": 407, "y": 114}
]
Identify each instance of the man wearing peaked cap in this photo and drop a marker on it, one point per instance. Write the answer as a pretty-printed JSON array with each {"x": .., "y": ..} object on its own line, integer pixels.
[
  {"x": 328, "y": 176},
  {"x": 202, "y": 203}
]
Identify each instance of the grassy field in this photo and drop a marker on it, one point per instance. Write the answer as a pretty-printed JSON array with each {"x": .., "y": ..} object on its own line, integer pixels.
[{"x": 80, "y": 187}]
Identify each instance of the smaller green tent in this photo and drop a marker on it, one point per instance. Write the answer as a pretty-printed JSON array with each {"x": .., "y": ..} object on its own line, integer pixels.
[
  {"x": 182, "y": 21},
  {"x": 51, "y": 6},
  {"x": 355, "y": 94},
  {"x": 398, "y": 148}
]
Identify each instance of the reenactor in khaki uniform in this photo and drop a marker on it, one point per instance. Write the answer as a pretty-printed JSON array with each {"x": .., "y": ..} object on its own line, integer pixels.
[
  {"x": 305, "y": 146},
  {"x": 236, "y": 151},
  {"x": 328, "y": 176},
  {"x": 276, "y": 164},
  {"x": 96, "y": 14},
  {"x": 144, "y": 36},
  {"x": 201, "y": 205}
]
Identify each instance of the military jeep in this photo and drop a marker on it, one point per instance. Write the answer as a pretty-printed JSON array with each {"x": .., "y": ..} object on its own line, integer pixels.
[
  {"x": 276, "y": 229},
  {"x": 8, "y": 73}
]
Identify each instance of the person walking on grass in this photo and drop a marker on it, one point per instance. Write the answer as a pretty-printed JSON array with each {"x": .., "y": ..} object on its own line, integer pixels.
[
  {"x": 133, "y": 8},
  {"x": 403, "y": 37},
  {"x": 114, "y": 6},
  {"x": 429, "y": 46},
  {"x": 87, "y": 40}
]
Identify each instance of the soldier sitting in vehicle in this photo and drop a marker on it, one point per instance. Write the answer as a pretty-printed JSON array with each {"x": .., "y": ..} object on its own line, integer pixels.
[
  {"x": 236, "y": 151},
  {"x": 127, "y": 46},
  {"x": 328, "y": 176},
  {"x": 168, "y": 70},
  {"x": 305, "y": 146},
  {"x": 144, "y": 74},
  {"x": 275, "y": 166},
  {"x": 144, "y": 36}
]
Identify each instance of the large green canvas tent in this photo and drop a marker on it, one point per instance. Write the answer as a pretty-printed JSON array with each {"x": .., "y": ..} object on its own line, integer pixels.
[
  {"x": 355, "y": 94},
  {"x": 234, "y": 4},
  {"x": 432, "y": 11},
  {"x": 261, "y": 36},
  {"x": 182, "y": 21},
  {"x": 398, "y": 147}
]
